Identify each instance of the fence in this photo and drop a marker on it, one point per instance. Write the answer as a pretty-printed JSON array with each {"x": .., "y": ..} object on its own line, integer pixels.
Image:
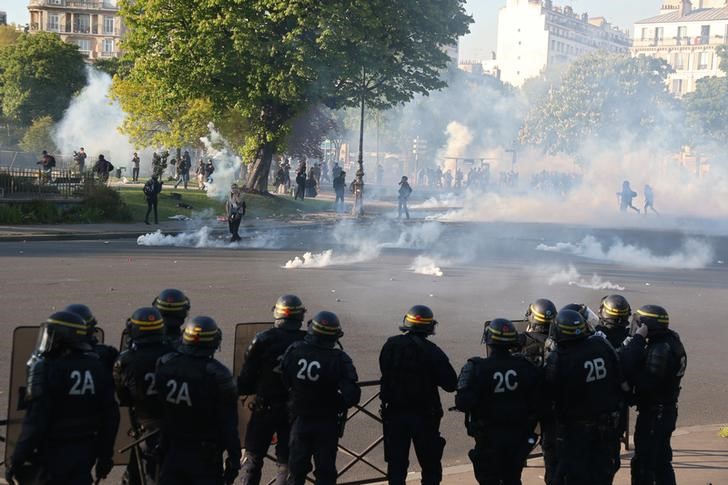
[{"x": 38, "y": 184}]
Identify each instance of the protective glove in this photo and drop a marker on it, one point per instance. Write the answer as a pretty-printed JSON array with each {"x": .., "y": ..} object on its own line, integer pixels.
[
  {"x": 103, "y": 467},
  {"x": 10, "y": 474},
  {"x": 232, "y": 467},
  {"x": 642, "y": 331}
]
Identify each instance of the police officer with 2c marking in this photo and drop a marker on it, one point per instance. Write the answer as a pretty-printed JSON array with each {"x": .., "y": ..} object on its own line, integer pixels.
[
  {"x": 413, "y": 368},
  {"x": 134, "y": 378},
  {"x": 261, "y": 376},
  {"x": 199, "y": 409},
  {"x": 72, "y": 415},
  {"x": 322, "y": 387},
  {"x": 502, "y": 398}
]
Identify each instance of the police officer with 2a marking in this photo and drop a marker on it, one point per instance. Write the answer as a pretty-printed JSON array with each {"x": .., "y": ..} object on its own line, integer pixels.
[
  {"x": 72, "y": 416},
  {"x": 199, "y": 410},
  {"x": 322, "y": 385},
  {"x": 584, "y": 381},
  {"x": 413, "y": 368},
  {"x": 107, "y": 353},
  {"x": 174, "y": 306},
  {"x": 502, "y": 398},
  {"x": 261, "y": 376},
  {"x": 655, "y": 362},
  {"x": 134, "y": 378}
]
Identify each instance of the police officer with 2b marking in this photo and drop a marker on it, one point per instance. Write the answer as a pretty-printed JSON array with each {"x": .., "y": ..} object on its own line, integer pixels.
[
  {"x": 584, "y": 381},
  {"x": 501, "y": 396},
  {"x": 72, "y": 416},
  {"x": 413, "y": 368},
  {"x": 655, "y": 361},
  {"x": 322, "y": 387},
  {"x": 261, "y": 376},
  {"x": 134, "y": 378},
  {"x": 199, "y": 411}
]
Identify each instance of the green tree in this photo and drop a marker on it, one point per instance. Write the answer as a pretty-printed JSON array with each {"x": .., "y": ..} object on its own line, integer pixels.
[
  {"x": 608, "y": 98},
  {"x": 38, "y": 136},
  {"x": 39, "y": 74},
  {"x": 707, "y": 107},
  {"x": 265, "y": 62},
  {"x": 8, "y": 35}
]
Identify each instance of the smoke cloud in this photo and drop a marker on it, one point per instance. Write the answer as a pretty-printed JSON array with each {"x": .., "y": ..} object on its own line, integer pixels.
[
  {"x": 693, "y": 254},
  {"x": 426, "y": 265},
  {"x": 227, "y": 164},
  {"x": 204, "y": 238},
  {"x": 572, "y": 277}
]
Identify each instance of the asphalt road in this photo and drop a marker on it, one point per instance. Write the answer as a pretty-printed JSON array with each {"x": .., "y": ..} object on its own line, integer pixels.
[{"x": 490, "y": 270}]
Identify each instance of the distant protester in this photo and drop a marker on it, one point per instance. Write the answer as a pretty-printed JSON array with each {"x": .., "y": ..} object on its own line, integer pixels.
[
  {"x": 151, "y": 189},
  {"x": 102, "y": 168},
  {"x": 235, "y": 212}
]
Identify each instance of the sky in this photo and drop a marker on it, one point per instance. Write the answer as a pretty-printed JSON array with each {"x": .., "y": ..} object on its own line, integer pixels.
[{"x": 481, "y": 41}]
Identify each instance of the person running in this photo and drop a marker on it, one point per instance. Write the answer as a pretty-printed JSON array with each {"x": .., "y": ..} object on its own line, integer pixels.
[
  {"x": 650, "y": 200},
  {"x": 625, "y": 198}
]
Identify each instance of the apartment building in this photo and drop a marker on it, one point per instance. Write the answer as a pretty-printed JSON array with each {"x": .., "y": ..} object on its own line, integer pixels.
[{"x": 94, "y": 25}]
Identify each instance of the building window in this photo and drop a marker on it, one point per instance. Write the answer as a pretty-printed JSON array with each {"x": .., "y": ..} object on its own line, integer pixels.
[
  {"x": 659, "y": 33},
  {"x": 108, "y": 46},
  {"x": 553, "y": 45},
  {"x": 54, "y": 23},
  {"x": 82, "y": 24},
  {"x": 677, "y": 86},
  {"x": 108, "y": 24},
  {"x": 705, "y": 34},
  {"x": 682, "y": 34},
  {"x": 704, "y": 60},
  {"x": 84, "y": 45}
]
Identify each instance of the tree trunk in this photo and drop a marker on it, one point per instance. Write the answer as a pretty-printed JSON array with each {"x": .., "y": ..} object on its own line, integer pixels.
[{"x": 259, "y": 170}]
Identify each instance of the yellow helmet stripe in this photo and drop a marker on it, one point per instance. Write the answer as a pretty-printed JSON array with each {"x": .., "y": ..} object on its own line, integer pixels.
[
  {"x": 171, "y": 304},
  {"x": 539, "y": 317},
  {"x": 146, "y": 323},
  {"x": 658, "y": 317},
  {"x": 323, "y": 329},
  {"x": 615, "y": 312},
  {"x": 418, "y": 320},
  {"x": 67, "y": 324}
]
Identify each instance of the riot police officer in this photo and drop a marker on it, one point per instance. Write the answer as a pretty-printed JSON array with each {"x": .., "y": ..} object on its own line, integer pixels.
[
  {"x": 134, "y": 378},
  {"x": 537, "y": 342},
  {"x": 501, "y": 396},
  {"x": 413, "y": 368},
  {"x": 72, "y": 416},
  {"x": 199, "y": 410},
  {"x": 322, "y": 384},
  {"x": 584, "y": 381},
  {"x": 655, "y": 362},
  {"x": 174, "y": 307},
  {"x": 107, "y": 353},
  {"x": 614, "y": 313},
  {"x": 261, "y": 376}
]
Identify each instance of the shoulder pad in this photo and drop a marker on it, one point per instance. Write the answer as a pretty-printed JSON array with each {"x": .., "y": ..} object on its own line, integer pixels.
[
  {"x": 218, "y": 369},
  {"x": 166, "y": 358},
  {"x": 36, "y": 379}
]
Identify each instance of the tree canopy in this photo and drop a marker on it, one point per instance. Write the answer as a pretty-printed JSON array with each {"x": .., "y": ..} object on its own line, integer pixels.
[
  {"x": 707, "y": 107},
  {"x": 266, "y": 62},
  {"x": 608, "y": 98},
  {"x": 39, "y": 74}
]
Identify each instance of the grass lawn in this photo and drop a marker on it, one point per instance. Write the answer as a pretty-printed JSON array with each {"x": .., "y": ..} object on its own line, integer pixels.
[{"x": 257, "y": 206}]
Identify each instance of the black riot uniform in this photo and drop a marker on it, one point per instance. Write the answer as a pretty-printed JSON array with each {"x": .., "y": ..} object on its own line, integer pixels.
[
  {"x": 107, "y": 353},
  {"x": 174, "y": 307},
  {"x": 537, "y": 343},
  {"x": 654, "y": 366},
  {"x": 72, "y": 415},
  {"x": 584, "y": 381},
  {"x": 413, "y": 368},
  {"x": 134, "y": 378},
  {"x": 322, "y": 385},
  {"x": 261, "y": 376},
  {"x": 199, "y": 411},
  {"x": 614, "y": 313},
  {"x": 501, "y": 396}
]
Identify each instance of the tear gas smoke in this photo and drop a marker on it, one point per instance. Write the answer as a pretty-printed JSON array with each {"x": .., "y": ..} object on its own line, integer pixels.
[
  {"x": 227, "y": 164},
  {"x": 572, "y": 277},
  {"x": 445, "y": 201},
  {"x": 426, "y": 265},
  {"x": 459, "y": 137},
  {"x": 693, "y": 254},
  {"x": 204, "y": 238},
  {"x": 91, "y": 121}
]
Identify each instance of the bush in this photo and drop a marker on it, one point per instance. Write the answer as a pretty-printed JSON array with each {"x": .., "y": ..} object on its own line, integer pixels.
[
  {"x": 10, "y": 214},
  {"x": 105, "y": 204},
  {"x": 41, "y": 212}
]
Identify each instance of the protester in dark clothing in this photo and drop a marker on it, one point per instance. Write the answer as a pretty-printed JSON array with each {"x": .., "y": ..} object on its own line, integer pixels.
[
  {"x": 650, "y": 200},
  {"x": 47, "y": 163},
  {"x": 209, "y": 169},
  {"x": 80, "y": 158},
  {"x": 183, "y": 168},
  {"x": 300, "y": 181},
  {"x": 339, "y": 189},
  {"x": 311, "y": 183},
  {"x": 235, "y": 211},
  {"x": 404, "y": 192},
  {"x": 151, "y": 191},
  {"x": 625, "y": 198},
  {"x": 102, "y": 168},
  {"x": 135, "y": 169}
]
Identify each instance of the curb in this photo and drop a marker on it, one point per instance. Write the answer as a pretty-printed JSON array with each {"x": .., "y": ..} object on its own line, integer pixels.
[{"x": 90, "y": 236}]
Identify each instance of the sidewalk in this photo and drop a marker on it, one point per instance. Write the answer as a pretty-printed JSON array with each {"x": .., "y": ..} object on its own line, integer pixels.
[{"x": 700, "y": 458}]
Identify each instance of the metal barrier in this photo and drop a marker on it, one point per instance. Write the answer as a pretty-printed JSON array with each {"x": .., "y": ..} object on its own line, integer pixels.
[{"x": 37, "y": 183}]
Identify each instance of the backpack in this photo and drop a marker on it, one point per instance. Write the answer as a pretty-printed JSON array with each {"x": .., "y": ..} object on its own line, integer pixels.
[
  {"x": 51, "y": 161},
  {"x": 149, "y": 188}
]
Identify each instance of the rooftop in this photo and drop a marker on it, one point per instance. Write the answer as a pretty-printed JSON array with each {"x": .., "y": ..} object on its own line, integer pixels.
[{"x": 697, "y": 15}]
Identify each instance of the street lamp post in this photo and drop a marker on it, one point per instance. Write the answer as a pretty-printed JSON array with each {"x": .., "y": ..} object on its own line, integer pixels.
[{"x": 358, "y": 186}]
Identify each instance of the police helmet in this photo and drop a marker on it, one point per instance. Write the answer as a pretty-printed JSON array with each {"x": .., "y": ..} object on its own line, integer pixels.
[
  {"x": 419, "y": 319},
  {"x": 145, "y": 324},
  {"x": 288, "y": 312},
  {"x": 570, "y": 326},
  {"x": 200, "y": 336},
  {"x": 501, "y": 333},
  {"x": 173, "y": 305},
  {"x": 84, "y": 312},
  {"x": 614, "y": 310},
  {"x": 655, "y": 317},
  {"x": 62, "y": 330},
  {"x": 325, "y": 325},
  {"x": 540, "y": 315}
]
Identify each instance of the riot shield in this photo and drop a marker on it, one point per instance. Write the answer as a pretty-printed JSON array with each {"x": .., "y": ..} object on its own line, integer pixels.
[
  {"x": 24, "y": 342},
  {"x": 244, "y": 334},
  {"x": 125, "y": 434}
]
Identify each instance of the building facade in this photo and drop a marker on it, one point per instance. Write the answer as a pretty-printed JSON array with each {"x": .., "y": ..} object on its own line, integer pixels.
[
  {"x": 95, "y": 26},
  {"x": 3, "y": 18},
  {"x": 534, "y": 35},
  {"x": 686, "y": 35}
]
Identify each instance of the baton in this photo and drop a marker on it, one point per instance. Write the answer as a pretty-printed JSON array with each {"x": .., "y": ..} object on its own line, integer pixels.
[{"x": 139, "y": 441}]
